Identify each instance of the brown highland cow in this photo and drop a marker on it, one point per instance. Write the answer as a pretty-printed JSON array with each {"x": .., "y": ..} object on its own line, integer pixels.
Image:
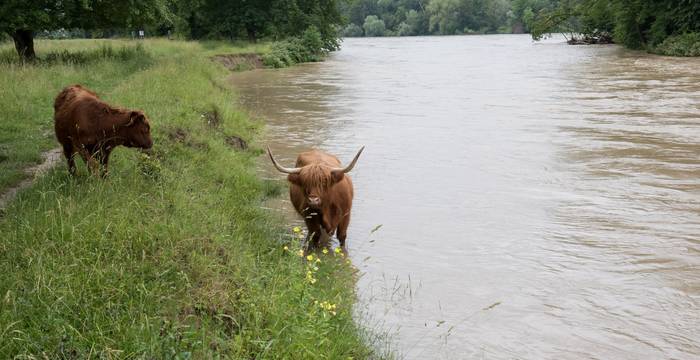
[
  {"x": 321, "y": 192},
  {"x": 90, "y": 127}
]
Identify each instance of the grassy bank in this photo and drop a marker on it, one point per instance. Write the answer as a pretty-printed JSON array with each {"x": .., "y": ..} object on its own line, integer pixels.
[{"x": 171, "y": 255}]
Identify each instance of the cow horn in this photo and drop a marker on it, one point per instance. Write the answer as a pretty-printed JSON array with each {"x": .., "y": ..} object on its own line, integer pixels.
[
  {"x": 352, "y": 163},
  {"x": 280, "y": 167}
]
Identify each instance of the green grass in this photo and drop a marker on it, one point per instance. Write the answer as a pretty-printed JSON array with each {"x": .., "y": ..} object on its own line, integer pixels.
[{"x": 171, "y": 256}]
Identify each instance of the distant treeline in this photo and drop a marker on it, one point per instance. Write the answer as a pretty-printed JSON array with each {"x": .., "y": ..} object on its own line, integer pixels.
[
  {"x": 440, "y": 17},
  {"x": 666, "y": 26}
]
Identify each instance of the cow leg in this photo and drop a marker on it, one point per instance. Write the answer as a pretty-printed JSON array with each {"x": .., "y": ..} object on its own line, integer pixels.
[
  {"x": 104, "y": 160},
  {"x": 314, "y": 235},
  {"x": 343, "y": 230},
  {"x": 87, "y": 156},
  {"x": 69, "y": 153}
]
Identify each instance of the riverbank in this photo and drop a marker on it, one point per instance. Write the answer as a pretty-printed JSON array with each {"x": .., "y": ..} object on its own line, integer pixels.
[{"x": 171, "y": 255}]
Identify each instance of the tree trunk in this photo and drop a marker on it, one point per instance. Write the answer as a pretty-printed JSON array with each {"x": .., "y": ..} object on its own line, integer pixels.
[
  {"x": 24, "y": 43},
  {"x": 252, "y": 35}
]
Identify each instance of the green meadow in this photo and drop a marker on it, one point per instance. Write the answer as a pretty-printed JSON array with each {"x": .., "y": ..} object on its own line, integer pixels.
[{"x": 170, "y": 256}]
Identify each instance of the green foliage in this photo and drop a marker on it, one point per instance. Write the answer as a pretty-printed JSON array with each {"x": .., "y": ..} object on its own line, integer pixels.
[
  {"x": 374, "y": 26},
  {"x": 258, "y": 19},
  {"x": 171, "y": 256},
  {"x": 416, "y": 21},
  {"x": 308, "y": 48},
  {"x": 52, "y": 15},
  {"x": 404, "y": 30},
  {"x": 680, "y": 45},
  {"x": 352, "y": 30},
  {"x": 634, "y": 23},
  {"x": 444, "y": 16},
  {"x": 425, "y": 17}
]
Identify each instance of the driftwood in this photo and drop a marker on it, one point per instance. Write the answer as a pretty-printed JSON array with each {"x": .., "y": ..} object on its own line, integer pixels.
[{"x": 590, "y": 39}]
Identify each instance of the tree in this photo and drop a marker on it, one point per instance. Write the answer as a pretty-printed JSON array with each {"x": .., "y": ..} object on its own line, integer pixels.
[
  {"x": 21, "y": 18},
  {"x": 444, "y": 16},
  {"x": 374, "y": 26},
  {"x": 352, "y": 30},
  {"x": 255, "y": 19},
  {"x": 417, "y": 22}
]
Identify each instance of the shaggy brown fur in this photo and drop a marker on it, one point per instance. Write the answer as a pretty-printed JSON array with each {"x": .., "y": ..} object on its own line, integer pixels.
[
  {"x": 332, "y": 188},
  {"x": 88, "y": 126}
]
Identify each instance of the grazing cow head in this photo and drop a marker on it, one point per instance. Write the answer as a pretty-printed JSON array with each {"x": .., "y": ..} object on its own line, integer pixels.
[
  {"x": 138, "y": 130},
  {"x": 315, "y": 179}
]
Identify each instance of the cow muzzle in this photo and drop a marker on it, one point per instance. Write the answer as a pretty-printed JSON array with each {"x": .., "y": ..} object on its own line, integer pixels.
[{"x": 314, "y": 201}]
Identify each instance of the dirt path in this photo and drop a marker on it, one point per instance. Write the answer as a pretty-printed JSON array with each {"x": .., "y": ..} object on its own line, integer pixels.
[{"x": 50, "y": 157}]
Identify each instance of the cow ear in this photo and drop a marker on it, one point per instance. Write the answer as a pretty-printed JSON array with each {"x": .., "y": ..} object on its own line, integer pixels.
[
  {"x": 337, "y": 175},
  {"x": 294, "y": 179}
]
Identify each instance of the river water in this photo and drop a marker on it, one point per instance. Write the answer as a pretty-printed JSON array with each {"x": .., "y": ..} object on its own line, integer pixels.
[{"x": 536, "y": 200}]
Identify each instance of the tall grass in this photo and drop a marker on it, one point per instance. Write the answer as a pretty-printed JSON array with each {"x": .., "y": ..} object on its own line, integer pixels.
[
  {"x": 101, "y": 53},
  {"x": 171, "y": 256}
]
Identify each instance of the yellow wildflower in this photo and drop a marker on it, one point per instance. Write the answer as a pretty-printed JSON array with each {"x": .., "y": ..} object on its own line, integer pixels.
[
  {"x": 337, "y": 250},
  {"x": 310, "y": 257},
  {"x": 297, "y": 229},
  {"x": 286, "y": 248},
  {"x": 325, "y": 251},
  {"x": 300, "y": 253}
]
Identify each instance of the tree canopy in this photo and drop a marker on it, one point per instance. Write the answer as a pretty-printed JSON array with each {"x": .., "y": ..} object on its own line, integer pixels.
[
  {"x": 634, "y": 23},
  {"x": 195, "y": 19},
  {"x": 442, "y": 17},
  {"x": 21, "y": 18}
]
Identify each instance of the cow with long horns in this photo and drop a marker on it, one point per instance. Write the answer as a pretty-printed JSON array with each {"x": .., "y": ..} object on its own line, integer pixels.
[{"x": 321, "y": 192}]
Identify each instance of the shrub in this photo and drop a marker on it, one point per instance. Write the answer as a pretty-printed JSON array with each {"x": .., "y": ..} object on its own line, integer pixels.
[
  {"x": 279, "y": 56},
  {"x": 680, "y": 45},
  {"x": 312, "y": 44},
  {"x": 309, "y": 47}
]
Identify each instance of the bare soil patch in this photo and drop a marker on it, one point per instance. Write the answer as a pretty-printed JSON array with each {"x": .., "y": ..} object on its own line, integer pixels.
[
  {"x": 240, "y": 62},
  {"x": 51, "y": 158},
  {"x": 236, "y": 142}
]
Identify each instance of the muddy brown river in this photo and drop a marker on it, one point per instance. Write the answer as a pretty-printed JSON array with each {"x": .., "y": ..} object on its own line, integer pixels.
[{"x": 536, "y": 200}]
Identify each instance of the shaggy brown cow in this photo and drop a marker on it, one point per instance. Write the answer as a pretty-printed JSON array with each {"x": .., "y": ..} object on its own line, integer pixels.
[
  {"x": 90, "y": 127},
  {"x": 321, "y": 192}
]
